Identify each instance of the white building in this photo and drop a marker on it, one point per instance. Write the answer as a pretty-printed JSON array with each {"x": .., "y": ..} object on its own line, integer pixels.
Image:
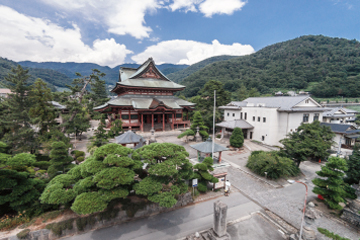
[
  {"x": 340, "y": 115},
  {"x": 270, "y": 119}
]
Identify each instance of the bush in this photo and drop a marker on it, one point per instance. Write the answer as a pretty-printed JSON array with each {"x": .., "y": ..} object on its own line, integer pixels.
[
  {"x": 202, "y": 187},
  {"x": 8, "y": 223},
  {"x": 276, "y": 166},
  {"x": 58, "y": 228},
  {"x": 331, "y": 235},
  {"x": 42, "y": 165},
  {"x": 237, "y": 138},
  {"x": 218, "y": 136},
  {"x": 23, "y": 234}
]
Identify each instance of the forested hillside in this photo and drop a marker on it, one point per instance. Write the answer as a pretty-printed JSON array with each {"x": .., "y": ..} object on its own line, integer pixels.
[
  {"x": 331, "y": 66},
  {"x": 112, "y": 74},
  {"x": 51, "y": 77},
  {"x": 182, "y": 74}
]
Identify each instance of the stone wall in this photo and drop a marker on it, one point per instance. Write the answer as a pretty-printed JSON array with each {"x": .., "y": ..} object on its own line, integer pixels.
[
  {"x": 351, "y": 213},
  {"x": 71, "y": 226}
]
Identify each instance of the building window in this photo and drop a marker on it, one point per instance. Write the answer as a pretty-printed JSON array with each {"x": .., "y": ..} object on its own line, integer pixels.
[
  {"x": 262, "y": 138},
  {"x": 307, "y": 101},
  {"x": 233, "y": 114},
  {"x": 258, "y": 119},
  {"x": 245, "y": 116},
  {"x": 241, "y": 115},
  {"x": 316, "y": 117},
  {"x": 253, "y": 118},
  {"x": 125, "y": 116},
  {"x": 251, "y": 133},
  {"x": 134, "y": 116},
  {"x": 264, "y": 119},
  {"x": 178, "y": 115},
  {"x": 306, "y": 118},
  {"x": 228, "y": 114}
]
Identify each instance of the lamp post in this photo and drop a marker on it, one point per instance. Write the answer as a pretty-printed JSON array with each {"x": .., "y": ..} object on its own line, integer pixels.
[{"x": 306, "y": 193}]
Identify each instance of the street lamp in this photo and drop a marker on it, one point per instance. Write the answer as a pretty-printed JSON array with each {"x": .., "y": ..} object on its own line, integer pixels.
[{"x": 302, "y": 219}]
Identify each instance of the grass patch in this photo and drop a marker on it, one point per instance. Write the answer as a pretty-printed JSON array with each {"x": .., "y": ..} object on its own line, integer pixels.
[{"x": 331, "y": 235}]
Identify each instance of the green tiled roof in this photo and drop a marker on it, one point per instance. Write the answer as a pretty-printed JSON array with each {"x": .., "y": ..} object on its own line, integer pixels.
[{"x": 144, "y": 102}]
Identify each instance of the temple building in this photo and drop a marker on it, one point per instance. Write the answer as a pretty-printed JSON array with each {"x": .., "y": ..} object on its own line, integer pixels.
[{"x": 145, "y": 100}]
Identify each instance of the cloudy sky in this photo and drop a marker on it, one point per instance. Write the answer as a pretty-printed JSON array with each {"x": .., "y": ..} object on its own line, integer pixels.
[{"x": 113, "y": 32}]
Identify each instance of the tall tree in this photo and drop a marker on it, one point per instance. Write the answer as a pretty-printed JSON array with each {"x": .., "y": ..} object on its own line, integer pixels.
[
  {"x": 237, "y": 138},
  {"x": 59, "y": 159},
  {"x": 42, "y": 112},
  {"x": 353, "y": 163},
  {"x": 78, "y": 88},
  {"x": 310, "y": 140},
  {"x": 331, "y": 184},
  {"x": 100, "y": 137},
  {"x": 15, "y": 120},
  {"x": 115, "y": 128},
  {"x": 197, "y": 122}
]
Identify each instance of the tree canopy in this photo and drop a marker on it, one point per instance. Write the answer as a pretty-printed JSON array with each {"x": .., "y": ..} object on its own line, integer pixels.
[
  {"x": 237, "y": 138},
  {"x": 310, "y": 140}
]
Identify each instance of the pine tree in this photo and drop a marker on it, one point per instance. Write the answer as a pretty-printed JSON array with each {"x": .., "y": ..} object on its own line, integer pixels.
[
  {"x": 331, "y": 184},
  {"x": 237, "y": 138},
  {"x": 115, "y": 128},
  {"x": 18, "y": 190},
  {"x": 41, "y": 111},
  {"x": 15, "y": 120},
  {"x": 201, "y": 172},
  {"x": 60, "y": 159},
  {"x": 353, "y": 163},
  {"x": 100, "y": 137}
]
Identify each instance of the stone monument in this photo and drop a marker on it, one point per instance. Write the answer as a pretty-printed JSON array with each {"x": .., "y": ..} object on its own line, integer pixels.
[
  {"x": 152, "y": 137},
  {"x": 198, "y": 138},
  {"x": 218, "y": 232}
]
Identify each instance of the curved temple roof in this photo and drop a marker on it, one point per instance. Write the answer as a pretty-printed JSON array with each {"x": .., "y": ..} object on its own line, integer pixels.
[{"x": 146, "y": 102}]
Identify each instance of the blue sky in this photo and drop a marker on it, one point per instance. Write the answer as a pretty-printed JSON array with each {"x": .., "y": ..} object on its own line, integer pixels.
[{"x": 112, "y": 32}]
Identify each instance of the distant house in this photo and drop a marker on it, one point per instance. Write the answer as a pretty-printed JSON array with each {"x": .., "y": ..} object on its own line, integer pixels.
[
  {"x": 345, "y": 134},
  {"x": 340, "y": 115},
  {"x": 270, "y": 119},
  {"x": 4, "y": 92}
]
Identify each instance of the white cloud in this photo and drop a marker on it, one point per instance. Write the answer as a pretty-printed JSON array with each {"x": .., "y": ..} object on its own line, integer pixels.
[
  {"x": 39, "y": 40},
  {"x": 187, "y": 5},
  {"x": 208, "y": 7},
  {"x": 190, "y": 52},
  {"x": 121, "y": 17},
  {"x": 211, "y": 7}
]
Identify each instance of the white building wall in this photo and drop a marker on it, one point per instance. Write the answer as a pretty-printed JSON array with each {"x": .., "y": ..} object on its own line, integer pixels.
[{"x": 276, "y": 126}]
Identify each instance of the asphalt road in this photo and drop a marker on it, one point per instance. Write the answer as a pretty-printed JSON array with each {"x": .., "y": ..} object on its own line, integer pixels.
[{"x": 175, "y": 224}]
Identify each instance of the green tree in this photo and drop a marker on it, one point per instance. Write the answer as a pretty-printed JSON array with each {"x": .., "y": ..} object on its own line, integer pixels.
[
  {"x": 310, "y": 140},
  {"x": 201, "y": 172},
  {"x": 273, "y": 164},
  {"x": 100, "y": 137},
  {"x": 78, "y": 89},
  {"x": 331, "y": 184},
  {"x": 237, "y": 138},
  {"x": 98, "y": 95},
  {"x": 168, "y": 168},
  {"x": 41, "y": 111},
  {"x": 19, "y": 191},
  {"x": 89, "y": 187},
  {"x": 196, "y": 122},
  {"x": 353, "y": 164},
  {"x": 15, "y": 120},
  {"x": 60, "y": 159},
  {"x": 115, "y": 128}
]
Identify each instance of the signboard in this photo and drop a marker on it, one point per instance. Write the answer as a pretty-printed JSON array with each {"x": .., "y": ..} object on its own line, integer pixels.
[
  {"x": 194, "y": 182},
  {"x": 220, "y": 183}
]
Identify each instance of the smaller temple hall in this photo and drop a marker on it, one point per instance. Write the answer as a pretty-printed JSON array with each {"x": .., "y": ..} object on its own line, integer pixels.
[{"x": 145, "y": 100}]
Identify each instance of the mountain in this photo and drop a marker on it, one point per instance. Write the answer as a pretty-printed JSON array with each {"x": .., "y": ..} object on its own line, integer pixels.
[
  {"x": 327, "y": 66},
  {"x": 51, "y": 77},
  {"x": 180, "y": 75},
  {"x": 112, "y": 74}
]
